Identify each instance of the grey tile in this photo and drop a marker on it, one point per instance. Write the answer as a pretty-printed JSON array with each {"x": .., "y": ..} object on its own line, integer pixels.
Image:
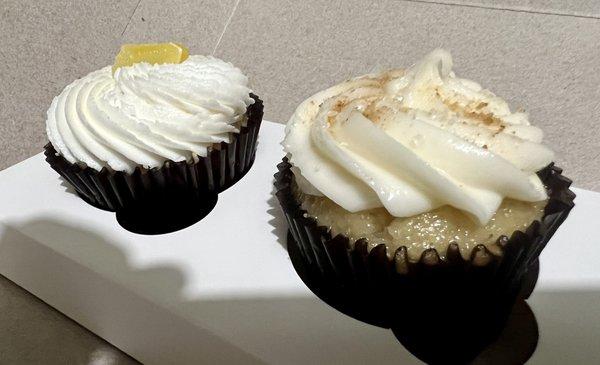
[
  {"x": 583, "y": 8},
  {"x": 34, "y": 333},
  {"x": 197, "y": 24},
  {"x": 544, "y": 63},
  {"x": 43, "y": 47}
]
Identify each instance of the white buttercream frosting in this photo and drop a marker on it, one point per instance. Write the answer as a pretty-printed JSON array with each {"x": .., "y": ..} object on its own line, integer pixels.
[
  {"x": 412, "y": 141},
  {"x": 146, "y": 114}
]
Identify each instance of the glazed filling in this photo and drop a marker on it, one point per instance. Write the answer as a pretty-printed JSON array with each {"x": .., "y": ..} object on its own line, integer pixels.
[{"x": 434, "y": 229}]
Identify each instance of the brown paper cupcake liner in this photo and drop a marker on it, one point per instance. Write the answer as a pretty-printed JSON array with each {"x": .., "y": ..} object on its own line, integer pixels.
[
  {"x": 225, "y": 164},
  {"x": 369, "y": 286}
]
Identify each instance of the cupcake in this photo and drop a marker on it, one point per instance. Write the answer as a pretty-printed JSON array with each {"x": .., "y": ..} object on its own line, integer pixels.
[
  {"x": 158, "y": 124},
  {"x": 415, "y": 195}
]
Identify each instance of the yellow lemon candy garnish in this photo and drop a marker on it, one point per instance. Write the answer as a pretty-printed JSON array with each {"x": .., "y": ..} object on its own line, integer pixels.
[{"x": 153, "y": 53}]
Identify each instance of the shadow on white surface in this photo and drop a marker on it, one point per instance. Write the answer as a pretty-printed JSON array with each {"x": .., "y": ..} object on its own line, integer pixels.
[
  {"x": 113, "y": 315},
  {"x": 291, "y": 329},
  {"x": 224, "y": 290}
]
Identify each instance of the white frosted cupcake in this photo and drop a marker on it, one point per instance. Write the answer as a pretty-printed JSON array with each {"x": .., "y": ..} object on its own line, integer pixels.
[
  {"x": 419, "y": 158},
  {"x": 158, "y": 122},
  {"x": 400, "y": 181}
]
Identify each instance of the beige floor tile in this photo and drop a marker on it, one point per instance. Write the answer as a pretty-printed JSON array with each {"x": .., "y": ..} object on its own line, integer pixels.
[
  {"x": 544, "y": 63},
  {"x": 583, "y": 8},
  {"x": 197, "y": 24}
]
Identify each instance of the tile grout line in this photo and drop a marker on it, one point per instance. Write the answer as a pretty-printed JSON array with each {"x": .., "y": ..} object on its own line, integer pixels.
[
  {"x": 516, "y": 10},
  {"x": 131, "y": 17},
  {"x": 235, "y": 6}
]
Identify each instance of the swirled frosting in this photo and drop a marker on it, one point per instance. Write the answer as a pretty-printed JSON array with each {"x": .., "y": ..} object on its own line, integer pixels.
[
  {"x": 146, "y": 114},
  {"x": 412, "y": 141}
]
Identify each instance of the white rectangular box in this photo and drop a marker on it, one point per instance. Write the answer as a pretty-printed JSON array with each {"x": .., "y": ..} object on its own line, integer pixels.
[{"x": 224, "y": 289}]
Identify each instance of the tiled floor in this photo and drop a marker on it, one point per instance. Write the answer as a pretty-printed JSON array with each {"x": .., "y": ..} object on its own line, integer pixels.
[
  {"x": 579, "y": 8},
  {"x": 543, "y": 63},
  {"x": 540, "y": 54}
]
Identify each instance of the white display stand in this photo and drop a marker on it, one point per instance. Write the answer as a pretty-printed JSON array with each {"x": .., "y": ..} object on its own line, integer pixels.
[{"x": 224, "y": 289}]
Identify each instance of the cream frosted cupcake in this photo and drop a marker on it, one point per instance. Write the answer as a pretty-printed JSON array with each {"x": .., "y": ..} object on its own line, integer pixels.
[
  {"x": 156, "y": 122},
  {"x": 416, "y": 183}
]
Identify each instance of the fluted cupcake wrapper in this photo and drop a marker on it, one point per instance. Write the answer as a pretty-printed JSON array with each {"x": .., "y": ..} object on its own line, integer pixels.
[
  {"x": 368, "y": 285},
  {"x": 224, "y": 165}
]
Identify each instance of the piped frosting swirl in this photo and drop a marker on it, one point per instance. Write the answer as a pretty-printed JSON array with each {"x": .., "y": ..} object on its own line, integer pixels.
[
  {"x": 415, "y": 140},
  {"x": 146, "y": 114}
]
